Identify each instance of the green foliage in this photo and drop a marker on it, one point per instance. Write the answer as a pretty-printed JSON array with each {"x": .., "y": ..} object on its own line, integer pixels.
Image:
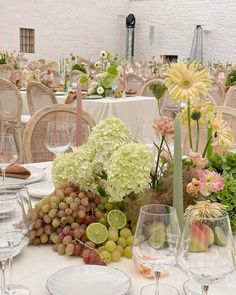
[
  {"x": 216, "y": 162},
  {"x": 231, "y": 79},
  {"x": 3, "y": 58},
  {"x": 80, "y": 68},
  {"x": 112, "y": 70},
  {"x": 158, "y": 89},
  {"x": 83, "y": 79}
]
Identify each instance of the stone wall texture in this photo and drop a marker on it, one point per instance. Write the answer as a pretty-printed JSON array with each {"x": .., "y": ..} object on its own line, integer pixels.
[{"x": 89, "y": 26}]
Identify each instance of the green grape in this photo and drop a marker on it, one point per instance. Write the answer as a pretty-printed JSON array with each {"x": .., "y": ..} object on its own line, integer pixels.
[
  {"x": 54, "y": 205},
  {"x": 55, "y": 246},
  {"x": 104, "y": 200},
  {"x": 102, "y": 220},
  {"x": 110, "y": 246},
  {"x": 60, "y": 193},
  {"x": 130, "y": 240},
  {"x": 52, "y": 213},
  {"x": 128, "y": 252},
  {"x": 113, "y": 234},
  {"x": 55, "y": 222},
  {"x": 101, "y": 207},
  {"x": 45, "y": 208},
  {"x": 122, "y": 242},
  {"x": 73, "y": 206},
  {"x": 90, "y": 244},
  {"x": 69, "y": 200},
  {"x": 125, "y": 232},
  {"x": 115, "y": 256},
  {"x": 106, "y": 256},
  {"x": 39, "y": 205},
  {"x": 101, "y": 248},
  {"x": 120, "y": 249},
  {"x": 63, "y": 205},
  {"x": 54, "y": 238},
  {"x": 61, "y": 249},
  {"x": 70, "y": 249},
  {"x": 67, "y": 240},
  {"x": 55, "y": 199},
  {"x": 46, "y": 200},
  {"x": 109, "y": 206},
  {"x": 44, "y": 238},
  {"x": 47, "y": 219}
]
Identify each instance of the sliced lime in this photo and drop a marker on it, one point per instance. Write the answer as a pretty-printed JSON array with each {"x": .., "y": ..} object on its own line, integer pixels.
[
  {"x": 116, "y": 219},
  {"x": 219, "y": 235},
  {"x": 97, "y": 233},
  {"x": 157, "y": 240}
]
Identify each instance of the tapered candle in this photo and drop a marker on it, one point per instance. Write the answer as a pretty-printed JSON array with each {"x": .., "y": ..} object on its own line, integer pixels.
[
  {"x": 178, "y": 180},
  {"x": 79, "y": 121}
]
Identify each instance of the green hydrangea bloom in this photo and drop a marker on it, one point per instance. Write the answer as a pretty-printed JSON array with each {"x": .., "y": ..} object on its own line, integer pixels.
[{"x": 128, "y": 171}]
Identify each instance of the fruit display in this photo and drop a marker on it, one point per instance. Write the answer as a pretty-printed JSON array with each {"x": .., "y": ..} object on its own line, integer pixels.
[{"x": 82, "y": 224}]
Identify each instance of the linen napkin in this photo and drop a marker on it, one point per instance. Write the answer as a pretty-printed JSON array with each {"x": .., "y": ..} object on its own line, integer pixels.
[{"x": 17, "y": 171}]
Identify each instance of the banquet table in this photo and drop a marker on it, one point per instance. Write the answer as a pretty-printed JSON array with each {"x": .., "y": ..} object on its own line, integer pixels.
[
  {"x": 37, "y": 263},
  {"x": 136, "y": 112}
]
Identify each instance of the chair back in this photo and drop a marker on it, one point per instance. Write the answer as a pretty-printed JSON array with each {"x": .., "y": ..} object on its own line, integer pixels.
[
  {"x": 6, "y": 71},
  {"x": 39, "y": 96},
  {"x": 217, "y": 91},
  {"x": 135, "y": 82},
  {"x": 230, "y": 98},
  {"x": 10, "y": 102},
  {"x": 34, "y": 149}
]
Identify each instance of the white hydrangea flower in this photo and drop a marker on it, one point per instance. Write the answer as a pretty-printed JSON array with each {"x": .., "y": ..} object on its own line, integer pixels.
[
  {"x": 100, "y": 90},
  {"x": 128, "y": 171},
  {"x": 103, "y": 54}
]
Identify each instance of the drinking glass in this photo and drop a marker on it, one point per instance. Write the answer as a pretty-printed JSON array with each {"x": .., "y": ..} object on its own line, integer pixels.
[
  {"x": 206, "y": 250},
  {"x": 20, "y": 289},
  {"x": 57, "y": 137},
  {"x": 14, "y": 231},
  {"x": 155, "y": 244},
  {"x": 8, "y": 153}
]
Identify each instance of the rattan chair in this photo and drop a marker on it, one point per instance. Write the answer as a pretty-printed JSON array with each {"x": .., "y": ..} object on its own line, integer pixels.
[
  {"x": 230, "y": 98},
  {"x": 217, "y": 91},
  {"x": 39, "y": 96},
  {"x": 133, "y": 81},
  {"x": 229, "y": 115},
  {"x": 6, "y": 71},
  {"x": 34, "y": 149},
  {"x": 10, "y": 112}
]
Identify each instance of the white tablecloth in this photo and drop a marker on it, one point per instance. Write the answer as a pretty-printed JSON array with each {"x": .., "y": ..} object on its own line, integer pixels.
[
  {"x": 136, "y": 112},
  {"x": 34, "y": 266}
]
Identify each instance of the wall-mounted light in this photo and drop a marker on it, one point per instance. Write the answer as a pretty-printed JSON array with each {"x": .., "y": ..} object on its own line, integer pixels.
[{"x": 151, "y": 33}]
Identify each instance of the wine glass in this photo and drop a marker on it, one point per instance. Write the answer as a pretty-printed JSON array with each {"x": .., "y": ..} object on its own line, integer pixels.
[
  {"x": 8, "y": 153},
  {"x": 155, "y": 244},
  {"x": 72, "y": 131},
  {"x": 14, "y": 231},
  {"x": 26, "y": 201},
  {"x": 57, "y": 138},
  {"x": 206, "y": 250}
]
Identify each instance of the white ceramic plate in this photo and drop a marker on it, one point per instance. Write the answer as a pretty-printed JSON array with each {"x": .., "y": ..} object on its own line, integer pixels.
[
  {"x": 40, "y": 189},
  {"x": 93, "y": 97},
  {"x": 222, "y": 288},
  {"x": 14, "y": 183},
  {"x": 60, "y": 93},
  {"x": 88, "y": 280}
]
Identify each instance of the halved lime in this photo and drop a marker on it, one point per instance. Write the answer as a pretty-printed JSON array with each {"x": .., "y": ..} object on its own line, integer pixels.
[
  {"x": 157, "y": 240},
  {"x": 219, "y": 235},
  {"x": 97, "y": 233},
  {"x": 116, "y": 219}
]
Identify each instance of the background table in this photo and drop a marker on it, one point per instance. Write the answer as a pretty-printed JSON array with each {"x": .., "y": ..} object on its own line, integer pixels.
[
  {"x": 138, "y": 112},
  {"x": 34, "y": 266}
]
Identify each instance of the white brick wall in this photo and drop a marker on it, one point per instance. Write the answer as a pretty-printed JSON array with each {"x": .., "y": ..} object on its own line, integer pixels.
[
  {"x": 64, "y": 26},
  {"x": 88, "y": 26},
  {"x": 174, "y": 22}
]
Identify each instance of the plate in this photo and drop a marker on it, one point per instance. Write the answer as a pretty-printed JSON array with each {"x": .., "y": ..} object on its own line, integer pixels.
[
  {"x": 40, "y": 189},
  {"x": 93, "y": 97},
  {"x": 88, "y": 280},
  {"x": 61, "y": 93},
  {"x": 222, "y": 288},
  {"x": 14, "y": 183}
]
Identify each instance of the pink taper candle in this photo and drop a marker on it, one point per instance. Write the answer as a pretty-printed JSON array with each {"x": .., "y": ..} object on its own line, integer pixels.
[{"x": 79, "y": 122}]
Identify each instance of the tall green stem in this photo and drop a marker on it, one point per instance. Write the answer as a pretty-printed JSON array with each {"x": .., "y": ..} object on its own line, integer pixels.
[
  {"x": 158, "y": 106},
  {"x": 157, "y": 163},
  {"x": 206, "y": 147},
  {"x": 198, "y": 131},
  {"x": 168, "y": 148},
  {"x": 189, "y": 126}
]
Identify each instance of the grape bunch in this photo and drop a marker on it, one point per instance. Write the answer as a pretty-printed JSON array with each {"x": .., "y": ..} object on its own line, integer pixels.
[{"x": 62, "y": 218}]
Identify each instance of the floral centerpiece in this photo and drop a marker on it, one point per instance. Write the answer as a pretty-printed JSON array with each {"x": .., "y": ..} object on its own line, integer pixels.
[
  {"x": 106, "y": 81},
  {"x": 73, "y": 63},
  {"x": 14, "y": 59}
]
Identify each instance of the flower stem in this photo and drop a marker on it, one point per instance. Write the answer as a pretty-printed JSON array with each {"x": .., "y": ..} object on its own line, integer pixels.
[
  {"x": 189, "y": 126},
  {"x": 168, "y": 148},
  {"x": 198, "y": 131},
  {"x": 158, "y": 106},
  {"x": 157, "y": 163},
  {"x": 207, "y": 145}
]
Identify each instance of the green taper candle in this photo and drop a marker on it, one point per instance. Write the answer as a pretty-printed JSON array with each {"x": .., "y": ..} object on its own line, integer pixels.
[{"x": 178, "y": 179}]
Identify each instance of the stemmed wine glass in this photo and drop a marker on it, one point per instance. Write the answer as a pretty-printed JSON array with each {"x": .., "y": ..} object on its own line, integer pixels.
[
  {"x": 13, "y": 289},
  {"x": 206, "y": 250},
  {"x": 155, "y": 244},
  {"x": 8, "y": 153},
  {"x": 57, "y": 137},
  {"x": 14, "y": 231}
]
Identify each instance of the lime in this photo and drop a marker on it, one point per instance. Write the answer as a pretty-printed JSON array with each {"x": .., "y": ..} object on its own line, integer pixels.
[
  {"x": 97, "y": 233},
  {"x": 219, "y": 236},
  {"x": 116, "y": 219},
  {"x": 157, "y": 240}
]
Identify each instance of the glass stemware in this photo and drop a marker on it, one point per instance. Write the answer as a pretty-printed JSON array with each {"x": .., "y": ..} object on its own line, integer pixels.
[
  {"x": 57, "y": 138},
  {"x": 8, "y": 153},
  {"x": 14, "y": 230},
  {"x": 206, "y": 249},
  {"x": 155, "y": 242},
  {"x": 25, "y": 198}
]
